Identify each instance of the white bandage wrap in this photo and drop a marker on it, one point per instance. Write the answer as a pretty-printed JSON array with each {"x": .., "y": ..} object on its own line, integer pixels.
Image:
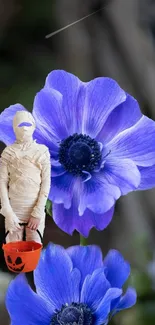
[{"x": 25, "y": 171}]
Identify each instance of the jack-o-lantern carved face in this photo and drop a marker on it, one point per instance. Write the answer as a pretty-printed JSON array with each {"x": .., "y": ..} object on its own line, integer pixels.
[{"x": 15, "y": 266}]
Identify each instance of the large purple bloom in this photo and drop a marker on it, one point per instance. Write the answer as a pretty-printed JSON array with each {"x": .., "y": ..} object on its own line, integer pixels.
[
  {"x": 101, "y": 147},
  {"x": 73, "y": 286}
]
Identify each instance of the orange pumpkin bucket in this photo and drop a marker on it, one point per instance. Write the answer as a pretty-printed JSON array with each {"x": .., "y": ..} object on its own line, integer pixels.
[{"x": 22, "y": 256}]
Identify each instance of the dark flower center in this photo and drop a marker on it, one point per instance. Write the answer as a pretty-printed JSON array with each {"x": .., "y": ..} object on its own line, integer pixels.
[
  {"x": 75, "y": 314},
  {"x": 79, "y": 153}
]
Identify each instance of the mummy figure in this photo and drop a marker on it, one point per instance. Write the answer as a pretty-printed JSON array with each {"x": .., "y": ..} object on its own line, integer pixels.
[{"x": 24, "y": 181}]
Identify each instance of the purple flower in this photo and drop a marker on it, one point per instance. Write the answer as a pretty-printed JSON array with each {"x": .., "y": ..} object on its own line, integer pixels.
[
  {"x": 101, "y": 147},
  {"x": 73, "y": 286}
]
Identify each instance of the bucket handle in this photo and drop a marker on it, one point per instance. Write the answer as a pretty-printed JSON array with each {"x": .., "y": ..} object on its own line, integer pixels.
[{"x": 24, "y": 235}]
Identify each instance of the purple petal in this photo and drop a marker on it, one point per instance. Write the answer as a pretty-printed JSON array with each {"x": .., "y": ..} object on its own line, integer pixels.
[
  {"x": 62, "y": 189},
  {"x": 102, "y": 95},
  {"x": 24, "y": 305},
  {"x": 122, "y": 173},
  {"x": 136, "y": 143},
  {"x": 58, "y": 170},
  {"x": 42, "y": 136},
  {"x": 7, "y": 134},
  {"x": 121, "y": 118},
  {"x": 98, "y": 195},
  {"x": 127, "y": 301},
  {"x": 69, "y": 86},
  {"x": 6, "y": 123},
  {"x": 55, "y": 279},
  {"x": 69, "y": 220},
  {"x": 86, "y": 259},
  {"x": 104, "y": 307},
  {"x": 147, "y": 177},
  {"x": 117, "y": 269},
  {"x": 24, "y": 124},
  {"x": 94, "y": 288},
  {"x": 49, "y": 113}
]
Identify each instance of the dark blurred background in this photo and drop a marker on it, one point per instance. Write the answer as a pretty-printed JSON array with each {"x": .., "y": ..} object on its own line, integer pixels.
[{"x": 119, "y": 42}]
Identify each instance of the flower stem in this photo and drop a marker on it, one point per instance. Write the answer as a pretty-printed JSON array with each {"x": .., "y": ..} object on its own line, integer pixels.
[{"x": 83, "y": 241}]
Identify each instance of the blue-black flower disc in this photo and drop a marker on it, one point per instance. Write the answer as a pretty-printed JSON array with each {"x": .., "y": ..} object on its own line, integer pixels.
[
  {"x": 79, "y": 153},
  {"x": 75, "y": 314}
]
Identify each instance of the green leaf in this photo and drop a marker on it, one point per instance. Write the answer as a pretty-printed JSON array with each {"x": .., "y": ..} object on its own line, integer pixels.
[{"x": 49, "y": 208}]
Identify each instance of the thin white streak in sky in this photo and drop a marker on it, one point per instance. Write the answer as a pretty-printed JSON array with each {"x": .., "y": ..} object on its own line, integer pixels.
[{"x": 75, "y": 22}]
